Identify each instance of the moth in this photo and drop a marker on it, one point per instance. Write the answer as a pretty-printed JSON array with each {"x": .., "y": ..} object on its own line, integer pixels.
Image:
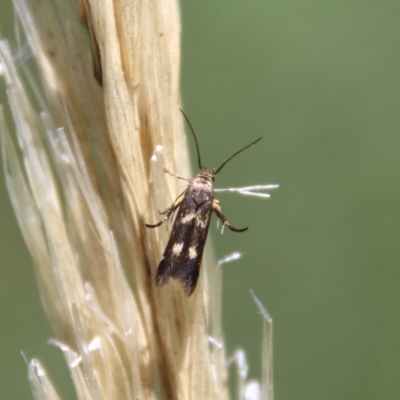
[{"x": 182, "y": 256}]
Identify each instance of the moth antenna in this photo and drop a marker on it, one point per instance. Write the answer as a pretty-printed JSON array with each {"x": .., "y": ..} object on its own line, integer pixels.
[
  {"x": 230, "y": 158},
  {"x": 195, "y": 139}
]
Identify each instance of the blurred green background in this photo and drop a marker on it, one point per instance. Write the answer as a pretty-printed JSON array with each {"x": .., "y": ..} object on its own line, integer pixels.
[{"x": 321, "y": 82}]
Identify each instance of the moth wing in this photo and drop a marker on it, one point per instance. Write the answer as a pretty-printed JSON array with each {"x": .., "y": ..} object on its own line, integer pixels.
[
  {"x": 188, "y": 266},
  {"x": 176, "y": 240},
  {"x": 183, "y": 254}
]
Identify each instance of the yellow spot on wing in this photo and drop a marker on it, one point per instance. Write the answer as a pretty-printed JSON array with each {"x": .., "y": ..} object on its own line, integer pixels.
[
  {"x": 188, "y": 217},
  {"x": 192, "y": 253},
  {"x": 177, "y": 248}
]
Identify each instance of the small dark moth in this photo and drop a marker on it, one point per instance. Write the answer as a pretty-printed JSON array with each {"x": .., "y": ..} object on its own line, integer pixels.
[{"x": 182, "y": 256}]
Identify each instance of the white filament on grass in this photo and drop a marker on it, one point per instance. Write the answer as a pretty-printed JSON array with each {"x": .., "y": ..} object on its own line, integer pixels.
[
  {"x": 251, "y": 190},
  {"x": 247, "y": 191}
]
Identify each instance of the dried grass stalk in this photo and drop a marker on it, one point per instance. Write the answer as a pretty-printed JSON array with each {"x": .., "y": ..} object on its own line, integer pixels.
[{"x": 82, "y": 186}]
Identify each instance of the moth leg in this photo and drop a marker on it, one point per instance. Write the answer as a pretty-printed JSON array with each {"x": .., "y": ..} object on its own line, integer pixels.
[
  {"x": 175, "y": 175},
  {"x": 217, "y": 209},
  {"x": 169, "y": 211},
  {"x": 175, "y": 204}
]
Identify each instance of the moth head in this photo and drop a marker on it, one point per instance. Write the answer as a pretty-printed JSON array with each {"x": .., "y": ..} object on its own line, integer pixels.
[{"x": 207, "y": 174}]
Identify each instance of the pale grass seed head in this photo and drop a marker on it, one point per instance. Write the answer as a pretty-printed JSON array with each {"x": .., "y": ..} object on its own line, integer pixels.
[{"x": 84, "y": 172}]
